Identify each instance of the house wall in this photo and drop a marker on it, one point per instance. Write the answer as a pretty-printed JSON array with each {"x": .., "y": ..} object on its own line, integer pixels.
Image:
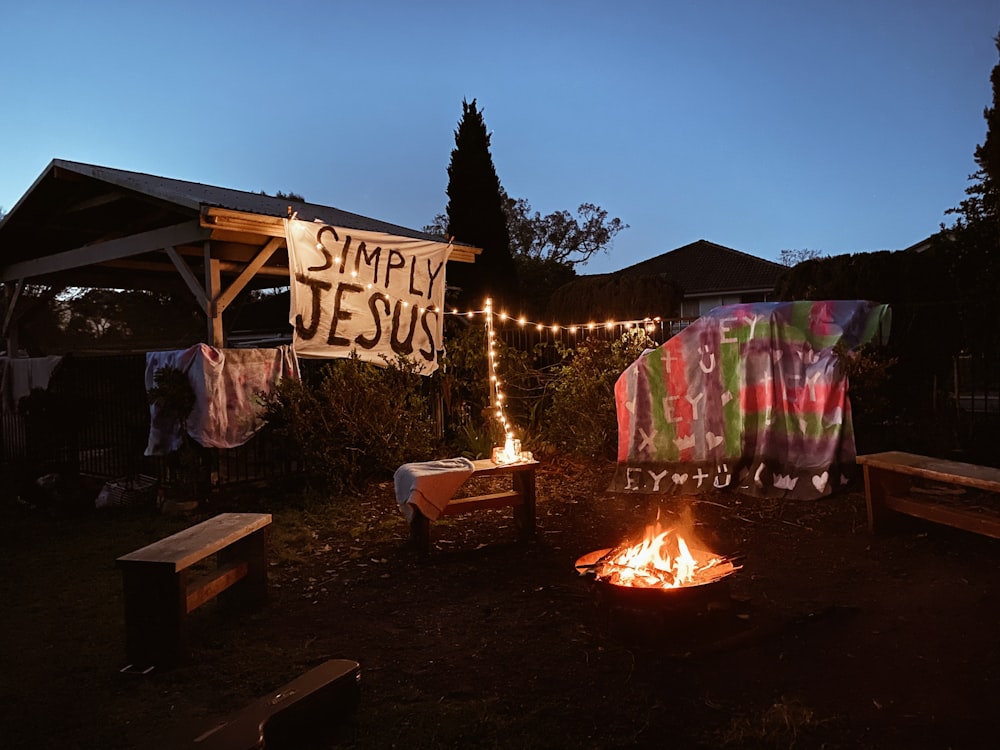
[{"x": 695, "y": 307}]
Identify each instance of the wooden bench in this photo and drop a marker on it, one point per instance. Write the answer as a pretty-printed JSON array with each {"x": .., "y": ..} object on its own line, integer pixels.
[
  {"x": 162, "y": 586},
  {"x": 889, "y": 487},
  {"x": 521, "y": 497},
  {"x": 302, "y": 713}
]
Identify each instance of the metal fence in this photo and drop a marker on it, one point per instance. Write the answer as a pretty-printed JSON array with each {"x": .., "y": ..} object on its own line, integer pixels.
[
  {"x": 527, "y": 337},
  {"x": 975, "y": 398},
  {"x": 94, "y": 420}
]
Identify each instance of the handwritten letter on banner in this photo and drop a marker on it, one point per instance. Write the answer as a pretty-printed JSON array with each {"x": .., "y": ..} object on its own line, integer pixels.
[{"x": 372, "y": 293}]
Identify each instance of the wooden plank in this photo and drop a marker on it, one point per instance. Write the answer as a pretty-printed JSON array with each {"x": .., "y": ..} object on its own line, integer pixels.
[
  {"x": 959, "y": 518},
  {"x": 298, "y": 714},
  {"x": 484, "y": 467},
  {"x": 240, "y": 221},
  {"x": 229, "y": 267},
  {"x": 935, "y": 469},
  {"x": 225, "y": 299},
  {"x": 193, "y": 285},
  {"x": 463, "y": 255},
  {"x": 192, "y": 545},
  {"x": 123, "y": 247},
  {"x": 211, "y": 585},
  {"x": 481, "y": 502}
]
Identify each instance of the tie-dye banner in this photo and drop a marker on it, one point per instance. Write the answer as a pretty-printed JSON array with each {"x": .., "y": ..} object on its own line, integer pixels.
[{"x": 747, "y": 397}]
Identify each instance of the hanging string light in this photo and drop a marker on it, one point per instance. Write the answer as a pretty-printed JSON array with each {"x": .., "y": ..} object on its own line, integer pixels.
[{"x": 511, "y": 451}]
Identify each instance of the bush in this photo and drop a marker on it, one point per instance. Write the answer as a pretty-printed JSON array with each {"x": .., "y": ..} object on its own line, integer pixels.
[
  {"x": 581, "y": 418},
  {"x": 357, "y": 424},
  {"x": 463, "y": 384}
]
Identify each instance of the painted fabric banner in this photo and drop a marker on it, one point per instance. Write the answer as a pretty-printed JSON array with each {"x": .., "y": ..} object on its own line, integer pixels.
[
  {"x": 371, "y": 293},
  {"x": 748, "y": 396}
]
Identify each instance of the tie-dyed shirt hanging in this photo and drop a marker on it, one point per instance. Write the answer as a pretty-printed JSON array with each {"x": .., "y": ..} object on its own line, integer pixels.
[{"x": 747, "y": 397}]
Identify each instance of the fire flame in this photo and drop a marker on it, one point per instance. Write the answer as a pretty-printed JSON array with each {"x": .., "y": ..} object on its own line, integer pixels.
[{"x": 662, "y": 559}]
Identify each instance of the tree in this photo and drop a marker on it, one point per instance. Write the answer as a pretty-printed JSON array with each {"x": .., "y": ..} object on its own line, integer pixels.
[
  {"x": 547, "y": 249},
  {"x": 289, "y": 196},
  {"x": 791, "y": 258},
  {"x": 972, "y": 244},
  {"x": 559, "y": 237},
  {"x": 987, "y": 154},
  {"x": 476, "y": 216}
]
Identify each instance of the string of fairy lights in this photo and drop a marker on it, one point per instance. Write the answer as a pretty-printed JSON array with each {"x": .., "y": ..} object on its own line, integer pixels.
[
  {"x": 498, "y": 400},
  {"x": 649, "y": 324},
  {"x": 497, "y": 396}
]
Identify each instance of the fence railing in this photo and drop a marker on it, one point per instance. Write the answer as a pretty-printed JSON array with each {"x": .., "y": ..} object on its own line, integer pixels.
[
  {"x": 95, "y": 419},
  {"x": 527, "y": 337}
]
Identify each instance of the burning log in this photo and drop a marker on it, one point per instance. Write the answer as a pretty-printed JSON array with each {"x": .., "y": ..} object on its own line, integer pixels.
[{"x": 662, "y": 559}]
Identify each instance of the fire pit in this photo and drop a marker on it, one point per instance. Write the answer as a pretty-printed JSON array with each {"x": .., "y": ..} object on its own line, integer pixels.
[{"x": 667, "y": 581}]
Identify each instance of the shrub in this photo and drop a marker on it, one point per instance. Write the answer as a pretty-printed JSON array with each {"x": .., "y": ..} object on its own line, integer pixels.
[
  {"x": 581, "y": 418},
  {"x": 356, "y": 424},
  {"x": 463, "y": 384}
]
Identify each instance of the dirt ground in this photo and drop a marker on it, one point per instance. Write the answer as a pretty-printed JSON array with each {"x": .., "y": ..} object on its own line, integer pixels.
[{"x": 828, "y": 638}]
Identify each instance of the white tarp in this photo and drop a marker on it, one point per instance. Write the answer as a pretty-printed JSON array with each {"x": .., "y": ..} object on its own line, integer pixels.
[
  {"x": 226, "y": 383},
  {"x": 375, "y": 294},
  {"x": 21, "y": 375}
]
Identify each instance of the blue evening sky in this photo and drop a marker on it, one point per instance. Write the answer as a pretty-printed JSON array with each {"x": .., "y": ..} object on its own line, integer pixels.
[{"x": 761, "y": 125}]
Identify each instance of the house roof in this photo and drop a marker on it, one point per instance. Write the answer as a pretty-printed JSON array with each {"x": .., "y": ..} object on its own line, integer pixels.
[
  {"x": 704, "y": 268},
  {"x": 88, "y": 225}
]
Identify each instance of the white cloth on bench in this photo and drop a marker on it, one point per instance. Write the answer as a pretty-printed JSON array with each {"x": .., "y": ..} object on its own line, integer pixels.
[{"x": 429, "y": 486}]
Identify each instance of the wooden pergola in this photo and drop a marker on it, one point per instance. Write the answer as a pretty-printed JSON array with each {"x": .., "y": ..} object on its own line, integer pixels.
[{"x": 81, "y": 225}]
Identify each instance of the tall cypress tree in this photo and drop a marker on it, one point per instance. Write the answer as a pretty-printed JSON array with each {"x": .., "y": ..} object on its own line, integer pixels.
[
  {"x": 988, "y": 153},
  {"x": 476, "y": 217}
]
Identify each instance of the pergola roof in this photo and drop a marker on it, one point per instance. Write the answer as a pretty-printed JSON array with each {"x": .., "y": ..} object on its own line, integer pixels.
[
  {"x": 82, "y": 225},
  {"x": 87, "y": 225}
]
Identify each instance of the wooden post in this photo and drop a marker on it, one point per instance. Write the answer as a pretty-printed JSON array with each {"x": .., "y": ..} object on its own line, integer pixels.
[
  {"x": 420, "y": 532},
  {"x": 524, "y": 514},
  {"x": 155, "y": 614},
  {"x": 251, "y": 591},
  {"x": 213, "y": 290}
]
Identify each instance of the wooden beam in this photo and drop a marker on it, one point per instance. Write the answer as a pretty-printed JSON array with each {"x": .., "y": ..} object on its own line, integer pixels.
[
  {"x": 213, "y": 287},
  {"x": 214, "y": 584},
  {"x": 226, "y": 298},
  {"x": 10, "y": 333},
  {"x": 239, "y": 221},
  {"x": 225, "y": 266},
  {"x": 11, "y": 304},
  {"x": 189, "y": 278},
  {"x": 135, "y": 244},
  {"x": 100, "y": 200},
  {"x": 464, "y": 254},
  {"x": 228, "y": 221}
]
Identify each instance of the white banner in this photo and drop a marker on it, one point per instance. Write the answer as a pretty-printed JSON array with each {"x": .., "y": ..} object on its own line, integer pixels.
[{"x": 367, "y": 292}]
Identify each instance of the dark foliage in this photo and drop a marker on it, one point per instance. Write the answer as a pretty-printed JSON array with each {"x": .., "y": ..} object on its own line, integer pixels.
[
  {"x": 476, "y": 217},
  {"x": 559, "y": 236},
  {"x": 580, "y": 416},
  {"x": 540, "y": 279},
  {"x": 615, "y": 297},
  {"x": 356, "y": 424}
]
